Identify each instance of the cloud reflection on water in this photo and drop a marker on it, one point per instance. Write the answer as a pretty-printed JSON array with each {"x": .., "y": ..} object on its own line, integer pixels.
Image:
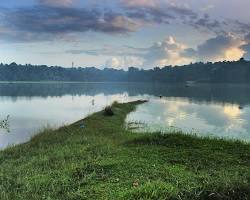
[{"x": 220, "y": 120}]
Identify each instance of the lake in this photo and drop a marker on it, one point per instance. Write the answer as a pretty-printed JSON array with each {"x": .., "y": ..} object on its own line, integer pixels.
[{"x": 206, "y": 110}]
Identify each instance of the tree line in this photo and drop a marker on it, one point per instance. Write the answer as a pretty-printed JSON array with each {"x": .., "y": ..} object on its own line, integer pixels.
[{"x": 218, "y": 72}]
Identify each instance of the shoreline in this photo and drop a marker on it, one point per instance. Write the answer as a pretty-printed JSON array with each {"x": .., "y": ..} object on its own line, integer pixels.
[
  {"x": 127, "y": 82},
  {"x": 98, "y": 158}
]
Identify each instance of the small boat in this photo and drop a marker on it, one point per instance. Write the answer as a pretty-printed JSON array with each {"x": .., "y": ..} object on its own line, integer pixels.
[{"x": 189, "y": 83}]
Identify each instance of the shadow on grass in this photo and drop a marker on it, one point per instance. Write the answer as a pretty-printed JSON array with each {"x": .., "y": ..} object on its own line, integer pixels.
[{"x": 192, "y": 152}]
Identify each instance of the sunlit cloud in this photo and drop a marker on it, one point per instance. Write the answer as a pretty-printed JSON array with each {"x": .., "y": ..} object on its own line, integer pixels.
[
  {"x": 234, "y": 53},
  {"x": 124, "y": 62},
  {"x": 146, "y": 33},
  {"x": 219, "y": 48},
  {"x": 171, "y": 52}
]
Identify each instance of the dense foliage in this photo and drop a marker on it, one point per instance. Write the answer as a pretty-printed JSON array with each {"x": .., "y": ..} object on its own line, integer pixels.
[{"x": 219, "y": 72}]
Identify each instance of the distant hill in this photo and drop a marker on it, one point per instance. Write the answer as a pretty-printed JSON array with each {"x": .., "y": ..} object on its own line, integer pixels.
[{"x": 219, "y": 72}]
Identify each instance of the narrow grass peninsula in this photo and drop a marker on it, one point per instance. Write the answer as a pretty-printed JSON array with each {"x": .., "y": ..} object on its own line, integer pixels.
[{"x": 98, "y": 158}]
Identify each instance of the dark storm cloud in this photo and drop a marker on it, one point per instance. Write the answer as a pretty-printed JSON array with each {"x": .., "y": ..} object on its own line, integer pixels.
[
  {"x": 50, "y": 19},
  {"x": 39, "y": 21}
]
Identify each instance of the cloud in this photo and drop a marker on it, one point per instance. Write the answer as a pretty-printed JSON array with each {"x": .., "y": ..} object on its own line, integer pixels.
[
  {"x": 155, "y": 11},
  {"x": 53, "y": 19},
  {"x": 137, "y": 3},
  {"x": 40, "y": 21},
  {"x": 124, "y": 62},
  {"x": 169, "y": 12},
  {"x": 109, "y": 50},
  {"x": 189, "y": 53},
  {"x": 168, "y": 52},
  {"x": 172, "y": 52},
  {"x": 119, "y": 57},
  {"x": 207, "y": 7},
  {"x": 10, "y": 35},
  {"x": 221, "y": 47},
  {"x": 57, "y": 3},
  {"x": 206, "y": 23},
  {"x": 247, "y": 38},
  {"x": 239, "y": 27},
  {"x": 246, "y": 47}
]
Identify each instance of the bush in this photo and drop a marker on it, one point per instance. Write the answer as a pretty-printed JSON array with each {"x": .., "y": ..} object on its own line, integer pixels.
[{"x": 108, "y": 111}]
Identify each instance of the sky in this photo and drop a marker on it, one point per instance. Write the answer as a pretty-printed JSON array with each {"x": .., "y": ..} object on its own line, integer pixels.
[{"x": 123, "y": 33}]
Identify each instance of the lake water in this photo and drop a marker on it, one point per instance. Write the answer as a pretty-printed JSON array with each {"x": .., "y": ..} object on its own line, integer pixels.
[{"x": 215, "y": 110}]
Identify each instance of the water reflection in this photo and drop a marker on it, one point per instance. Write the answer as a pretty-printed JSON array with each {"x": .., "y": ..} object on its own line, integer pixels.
[
  {"x": 30, "y": 115},
  {"x": 234, "y": 94},
  {"x": 219, "y": 120},
  {"x": 219, "y": 109}
]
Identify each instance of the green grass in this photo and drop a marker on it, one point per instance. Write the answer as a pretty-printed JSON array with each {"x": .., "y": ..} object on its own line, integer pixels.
[{"x": 103, "y": 160}]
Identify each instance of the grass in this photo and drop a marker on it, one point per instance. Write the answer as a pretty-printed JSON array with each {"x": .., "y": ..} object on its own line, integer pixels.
[{"x": 103, "y": 160}]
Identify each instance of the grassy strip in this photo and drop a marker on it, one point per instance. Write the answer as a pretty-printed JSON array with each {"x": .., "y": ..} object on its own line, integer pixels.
[{"x": 103, "y": 160}]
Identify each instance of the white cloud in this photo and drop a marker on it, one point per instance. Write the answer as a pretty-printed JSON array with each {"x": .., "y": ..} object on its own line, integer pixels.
[
  {"x": 168, "y": 52},
  {"x": 172, "y": 52},
  {"x": 124, "y": 62}
]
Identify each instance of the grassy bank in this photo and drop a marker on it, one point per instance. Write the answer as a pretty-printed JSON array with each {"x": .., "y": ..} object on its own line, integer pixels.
[{"x": 103, "y": 160}]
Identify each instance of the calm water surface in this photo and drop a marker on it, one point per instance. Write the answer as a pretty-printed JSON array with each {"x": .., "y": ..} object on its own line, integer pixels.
[{"x": 215, "y": 110}]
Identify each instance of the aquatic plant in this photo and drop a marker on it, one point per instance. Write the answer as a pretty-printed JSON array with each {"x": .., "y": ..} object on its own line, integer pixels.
[{"x": 4, "y": 124}]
